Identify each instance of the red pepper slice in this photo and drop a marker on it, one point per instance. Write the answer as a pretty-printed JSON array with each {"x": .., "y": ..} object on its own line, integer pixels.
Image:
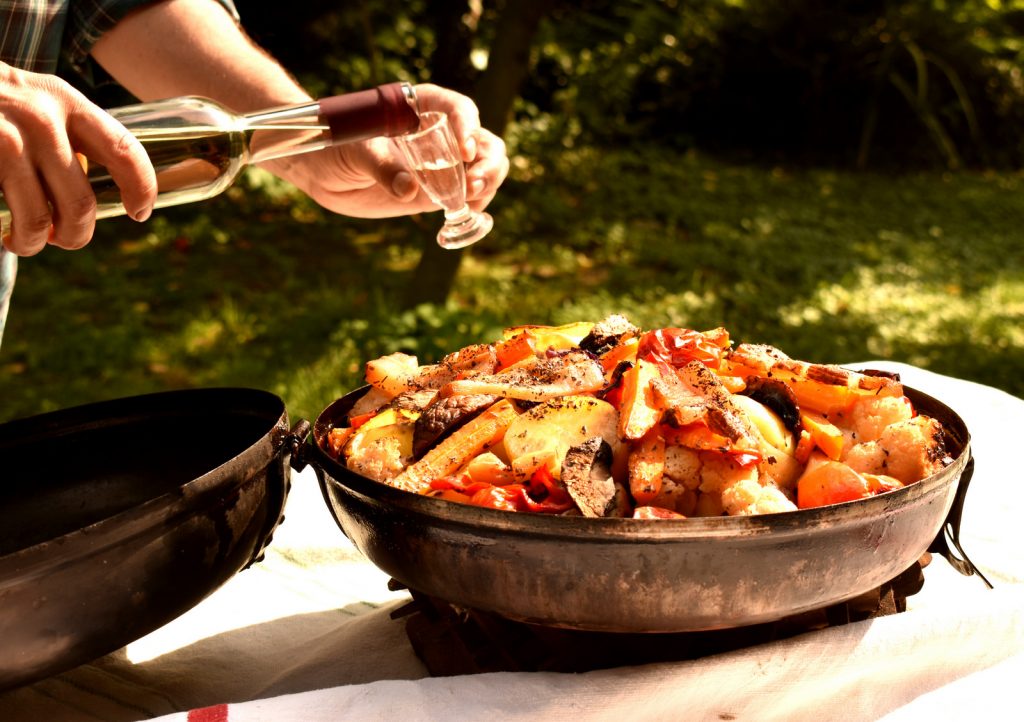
[
  {"x": 679, "y": 346},
  {"x": 497, "y": 497},
  {"x": 463, "y": 484},
  {"x": 542, "y": 494}
]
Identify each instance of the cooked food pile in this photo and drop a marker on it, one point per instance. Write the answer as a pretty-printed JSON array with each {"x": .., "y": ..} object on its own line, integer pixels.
[{"x": 607, "y": 420}]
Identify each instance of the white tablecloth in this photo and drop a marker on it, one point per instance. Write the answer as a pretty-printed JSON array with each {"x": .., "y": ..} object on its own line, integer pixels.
[{"x": 306, "y": 635}]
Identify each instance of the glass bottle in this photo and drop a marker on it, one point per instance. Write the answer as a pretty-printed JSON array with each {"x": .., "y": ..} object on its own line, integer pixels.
[{"x": 198, "y": 147}]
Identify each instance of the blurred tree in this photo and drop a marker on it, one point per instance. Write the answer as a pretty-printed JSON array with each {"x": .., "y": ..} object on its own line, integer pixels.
[{"x": 456, "y": 27}]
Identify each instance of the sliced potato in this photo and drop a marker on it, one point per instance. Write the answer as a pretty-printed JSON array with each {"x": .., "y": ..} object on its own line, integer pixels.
[
  {"x": 767, "y": 422},
  {"x": 392, "y": 374},
  {"x": 552, "y": 337},
  {"x": 545, "y": 433}
]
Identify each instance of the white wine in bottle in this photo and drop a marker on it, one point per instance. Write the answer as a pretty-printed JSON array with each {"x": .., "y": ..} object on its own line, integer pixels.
[{"x": 198, "y": 147}]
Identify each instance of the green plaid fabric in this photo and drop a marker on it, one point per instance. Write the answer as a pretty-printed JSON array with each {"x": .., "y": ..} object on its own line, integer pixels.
[{"x": 35, "y": 35}]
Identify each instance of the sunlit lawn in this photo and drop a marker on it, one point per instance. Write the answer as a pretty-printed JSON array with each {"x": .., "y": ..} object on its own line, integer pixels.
[{"x": 260, "y": 289}]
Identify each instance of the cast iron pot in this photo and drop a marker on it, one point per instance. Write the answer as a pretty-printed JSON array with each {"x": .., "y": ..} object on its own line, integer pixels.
[
  {"x": 117, "y": 517},
  {"x": 625, "y": 575}
]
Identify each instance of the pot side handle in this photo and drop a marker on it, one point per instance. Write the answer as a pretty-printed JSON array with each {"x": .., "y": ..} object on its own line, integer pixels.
[
  {"x": 284, "y": 443},
  {"x": 949, "y": 534},
  {"x": 303, "y": 455}
]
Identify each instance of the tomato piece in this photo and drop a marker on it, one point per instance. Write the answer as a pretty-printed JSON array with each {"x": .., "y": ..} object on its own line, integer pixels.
[
  {"x": 543, "y": 494},
  {"x": 461, "y": 483},
  {"x": 830, "y": 482}
]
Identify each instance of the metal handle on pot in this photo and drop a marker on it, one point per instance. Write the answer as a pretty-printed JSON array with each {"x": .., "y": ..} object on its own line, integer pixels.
[
  {"x": 295, "y": 443},
  {"x": 289, "y": 443},
  {"x": 303, "y": 455},
  {"x": 949, "y": 534}
]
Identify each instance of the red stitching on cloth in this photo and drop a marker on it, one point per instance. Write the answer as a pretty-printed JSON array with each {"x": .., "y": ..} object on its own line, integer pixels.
[{"x": 216, "y": 713}]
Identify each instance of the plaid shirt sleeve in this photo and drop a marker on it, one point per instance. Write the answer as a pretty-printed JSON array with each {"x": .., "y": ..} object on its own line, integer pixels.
[{"x": 89, "y": 19}]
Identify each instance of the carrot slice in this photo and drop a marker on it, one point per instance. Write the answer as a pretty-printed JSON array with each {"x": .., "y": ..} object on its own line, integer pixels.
[
  {"x": 513, "y": 350},
  {"x": 625, "y": 351},
  {"x": 455, "y": 451},
  {"x": 695, "y": 436},
  {"x": 804, "y": 446},
  {"x": 825, "y": 435}
]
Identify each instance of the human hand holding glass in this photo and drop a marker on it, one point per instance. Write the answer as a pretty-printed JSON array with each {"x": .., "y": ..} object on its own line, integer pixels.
[{"x": 433, "y": 156}]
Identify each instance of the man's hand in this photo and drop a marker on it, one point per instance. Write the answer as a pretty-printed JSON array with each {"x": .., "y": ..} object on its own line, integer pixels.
[
  {"x": 371, "y": 179},
  {"x": 43, "y": 122}
]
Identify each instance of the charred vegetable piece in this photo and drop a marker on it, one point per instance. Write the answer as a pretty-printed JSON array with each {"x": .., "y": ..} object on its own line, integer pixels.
[
  {"x": 723, "y": 416},
  {"x": 445, "y": 416},
  {"x": 820, "y": 387},
  {"x": 682, "y": 404},
  {"x": 776, "y": 396},
  {"x": 608, "y": 334},
  {"x": 587, "y": 475},
  {"x": 545, "y": 380}
]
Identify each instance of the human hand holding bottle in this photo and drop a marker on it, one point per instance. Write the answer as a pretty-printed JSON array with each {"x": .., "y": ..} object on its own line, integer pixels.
[
  {"x": 371, "y": 179},
  {"x": 43, "y": 122},
  {"x": 49, "y": 120}
]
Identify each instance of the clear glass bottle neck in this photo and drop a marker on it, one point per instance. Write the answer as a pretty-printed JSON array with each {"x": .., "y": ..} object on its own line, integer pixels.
[{"x": 280, "y": 132}]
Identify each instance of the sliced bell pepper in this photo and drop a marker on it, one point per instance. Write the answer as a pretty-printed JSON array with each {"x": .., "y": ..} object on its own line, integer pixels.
[{"x": 638, "y": 412}]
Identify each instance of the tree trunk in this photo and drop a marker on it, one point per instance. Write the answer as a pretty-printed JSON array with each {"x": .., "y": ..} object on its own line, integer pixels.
[
  {"x": 508, "y": 62},
  {"x": 495, "y": 91},
  {"x": 450, "y": 67}
]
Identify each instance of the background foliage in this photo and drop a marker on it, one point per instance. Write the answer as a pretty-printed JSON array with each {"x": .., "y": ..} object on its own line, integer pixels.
[{"x": 839, "y": 179}]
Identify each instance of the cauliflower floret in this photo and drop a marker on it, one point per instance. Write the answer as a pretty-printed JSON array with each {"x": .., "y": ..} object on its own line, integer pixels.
[
  {"x": 683, "y": 466},
  {"x": 907, "y": 450},
  {"x": 380, "y": 459},
  {"x": 719, "y": 472},
  {"x": 772, "y": 500},
  {"x": 709, "y": 504},
  {"x": 871, "y": 415},
  {"x": 675, "y": 496}
]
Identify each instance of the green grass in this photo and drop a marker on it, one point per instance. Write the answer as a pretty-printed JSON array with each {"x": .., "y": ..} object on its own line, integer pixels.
[{"x": 260, "y": 288}]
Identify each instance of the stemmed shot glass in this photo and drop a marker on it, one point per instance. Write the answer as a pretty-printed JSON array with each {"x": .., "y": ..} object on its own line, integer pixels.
[{"x": 433, "y": 156}]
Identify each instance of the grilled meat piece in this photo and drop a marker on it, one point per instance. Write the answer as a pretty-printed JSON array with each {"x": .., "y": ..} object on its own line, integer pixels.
[
  {"x": 445, "y": 416},
  {"x": 587, "y": 475}
]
